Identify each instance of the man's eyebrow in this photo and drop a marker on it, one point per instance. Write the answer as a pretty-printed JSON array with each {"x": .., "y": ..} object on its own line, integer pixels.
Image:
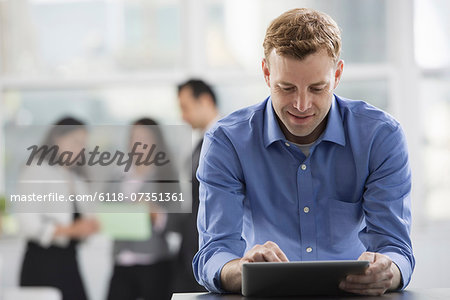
[
  {"x": 319, "y": 83},
  {"x": 285, "y": 83}
]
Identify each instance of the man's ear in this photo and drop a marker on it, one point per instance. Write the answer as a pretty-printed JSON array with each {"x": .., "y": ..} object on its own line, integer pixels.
[
  {"x": 338, "y": 73},
  {"x": 266, "y": 71},
  {"x": 205, "y": 100}
]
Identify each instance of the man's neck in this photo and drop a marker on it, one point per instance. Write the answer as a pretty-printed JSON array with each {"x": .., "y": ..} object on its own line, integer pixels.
[
  {"x": 311, "y": 138},
  {"x": 210, "y": 120}
]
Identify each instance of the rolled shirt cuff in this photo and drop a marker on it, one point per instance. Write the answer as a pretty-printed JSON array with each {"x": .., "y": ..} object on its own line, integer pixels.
[{"x": 213, "y": 268}]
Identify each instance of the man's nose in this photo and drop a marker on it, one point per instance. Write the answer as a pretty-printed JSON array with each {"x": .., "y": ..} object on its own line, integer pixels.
[{"x": 302, "y": 102}]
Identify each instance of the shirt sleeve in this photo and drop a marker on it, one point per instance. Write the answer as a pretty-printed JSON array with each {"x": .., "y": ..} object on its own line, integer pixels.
[
  {"x": 387, "y": 202},
  {"x": 40, "y": 226},
  {"x": 36, "y": 227},
  {"x": 221, "y": 210}
]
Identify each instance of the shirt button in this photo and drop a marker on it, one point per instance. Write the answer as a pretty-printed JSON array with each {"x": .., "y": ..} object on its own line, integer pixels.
[
  {"x": 309, "y": 249},
  {"x": 306, "y": 209},
  {"x": 303, "y": 166},
  {"x": 287, "y": 144}
]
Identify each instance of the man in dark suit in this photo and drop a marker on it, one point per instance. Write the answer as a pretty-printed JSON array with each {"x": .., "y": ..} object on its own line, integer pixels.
[{"x": 199, "y": 108}]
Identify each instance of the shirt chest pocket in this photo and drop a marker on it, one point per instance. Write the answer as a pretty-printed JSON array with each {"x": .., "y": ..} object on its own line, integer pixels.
[{"x": 344, "y": 222}]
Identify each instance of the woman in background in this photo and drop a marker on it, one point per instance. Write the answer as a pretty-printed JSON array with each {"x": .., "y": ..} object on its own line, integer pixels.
[
  {"x": 143, "y": 269},
  {"x": 51, "y": 255}
]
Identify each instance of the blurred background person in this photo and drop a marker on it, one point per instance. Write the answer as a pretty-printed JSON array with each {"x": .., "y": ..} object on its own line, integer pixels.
[
  {"x": 199, "y": 109},
  {"x": 143, "y": 268},
  {"x": 52, "y": 237}
]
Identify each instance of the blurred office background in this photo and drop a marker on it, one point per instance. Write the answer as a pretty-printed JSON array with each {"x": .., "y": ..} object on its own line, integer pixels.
[{"x": 112, "y": 61}]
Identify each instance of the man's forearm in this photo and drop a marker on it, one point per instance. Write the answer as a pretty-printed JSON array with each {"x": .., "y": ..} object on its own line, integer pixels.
[{"x": 231, "y": 276}]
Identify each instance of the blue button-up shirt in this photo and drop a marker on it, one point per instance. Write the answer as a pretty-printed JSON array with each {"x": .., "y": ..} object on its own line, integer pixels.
[{"x": 350, "y": 195}]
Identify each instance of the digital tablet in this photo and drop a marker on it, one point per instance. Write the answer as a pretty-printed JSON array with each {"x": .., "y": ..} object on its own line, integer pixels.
[{"x": 265, "y": 279}]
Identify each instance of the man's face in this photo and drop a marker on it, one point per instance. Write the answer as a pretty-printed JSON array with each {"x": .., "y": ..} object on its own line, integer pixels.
[
  {"x": 191, "y": 108},
  {"x": 302, "y": 91}
]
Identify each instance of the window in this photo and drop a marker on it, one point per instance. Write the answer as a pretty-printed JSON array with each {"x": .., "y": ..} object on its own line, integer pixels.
[
  {"x": 111, "y": 61},
  {"x": 432, "y": 44},
  {"x": 83, "y": 37},
  {"x": 111, "y": 105}
]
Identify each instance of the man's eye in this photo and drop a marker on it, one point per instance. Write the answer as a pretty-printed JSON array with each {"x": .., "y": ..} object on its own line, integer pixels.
[
  {"x": 287, "y": 89},
  {"x": 316, "y": 90}
]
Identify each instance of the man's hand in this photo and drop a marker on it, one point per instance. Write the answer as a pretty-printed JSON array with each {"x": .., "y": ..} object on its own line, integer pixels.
[
  {"x": 231, "y": 275},
  {"x": 381, "y": 276}
]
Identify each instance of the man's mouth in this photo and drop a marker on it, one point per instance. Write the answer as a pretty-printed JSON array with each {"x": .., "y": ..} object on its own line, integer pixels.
[{"x": 300, "y": 118}]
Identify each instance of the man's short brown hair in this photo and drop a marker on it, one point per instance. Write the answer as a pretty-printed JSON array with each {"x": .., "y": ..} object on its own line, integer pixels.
[{"x": 302, "y": 31}]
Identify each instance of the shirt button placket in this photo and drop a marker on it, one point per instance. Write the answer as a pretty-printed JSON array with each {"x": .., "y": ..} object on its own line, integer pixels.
[{"x": 307, "y": 220}]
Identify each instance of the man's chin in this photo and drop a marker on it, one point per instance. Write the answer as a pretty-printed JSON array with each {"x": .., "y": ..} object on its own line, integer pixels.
[{"x": 299, "y": 132}]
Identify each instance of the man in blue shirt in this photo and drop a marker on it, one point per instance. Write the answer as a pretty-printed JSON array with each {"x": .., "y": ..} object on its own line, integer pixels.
[{"x": 305, "y": 175}]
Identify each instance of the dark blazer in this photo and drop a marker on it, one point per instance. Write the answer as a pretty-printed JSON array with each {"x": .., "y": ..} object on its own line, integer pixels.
[{"x": 185, "y": 281}]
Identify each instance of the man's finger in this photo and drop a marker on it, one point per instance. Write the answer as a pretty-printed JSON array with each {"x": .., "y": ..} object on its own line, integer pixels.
[
  {"x": 271, "y": 256},
  {"x": 369, "y": 256},
  {"x": 262, "y": 254},
  {"x": 257, "y": 256},
  {"x": 245, "y": 260},
  {"x": 361, "y": 279},
  {"x": 276, "y": 249},
  {"x": 282, "y": 256},
  {"x": 368, "y": 292},
  {"x": 345, "y": 285},
  {"x": 381, "y": 263},
  {"x": 372, "y": 277}
]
